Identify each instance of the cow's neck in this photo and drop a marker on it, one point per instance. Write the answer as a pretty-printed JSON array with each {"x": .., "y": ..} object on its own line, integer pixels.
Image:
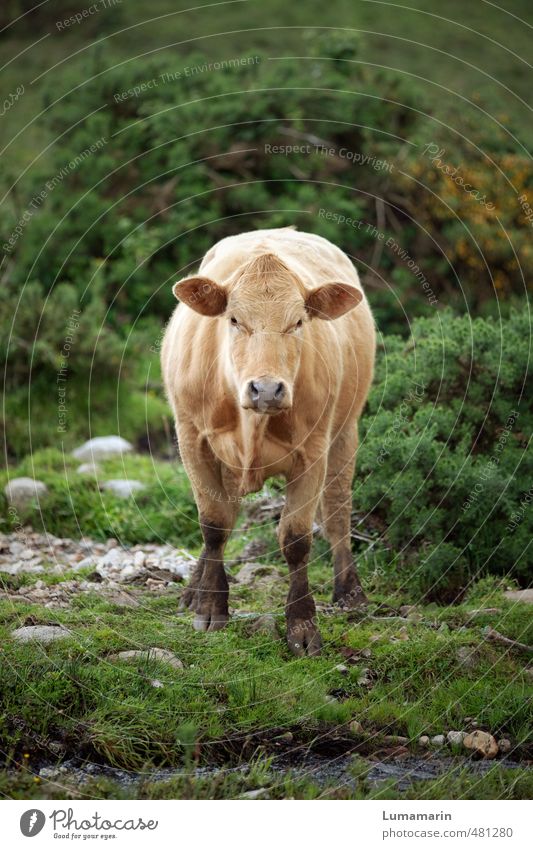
[{"x": 253, "y": 428}]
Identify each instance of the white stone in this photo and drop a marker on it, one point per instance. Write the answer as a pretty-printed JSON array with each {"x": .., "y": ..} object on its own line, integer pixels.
[
  {"x": 455, "y": 738},
  {"x": 41, "y": 633},
  {"x": 21, "y": 491},
  {"x": 438, "y": 740},
  {"x": 82, "y": 564},
  {"x": 21, "y": 566},
  {"x": 101, "y": 448},
  {"x": 122, "y": 488},
  {"x": 112, "y": 559},
  {"x": 525, "y": 596},
  {"x": 92, "y": 469},
  {"x": 130, "y": 572},
  {"x": 150, "y": 654},
  {"x": 252, "y": 571}
]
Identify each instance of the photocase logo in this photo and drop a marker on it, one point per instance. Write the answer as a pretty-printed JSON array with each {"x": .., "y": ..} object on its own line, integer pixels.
[{"x": 32, "y": 822}]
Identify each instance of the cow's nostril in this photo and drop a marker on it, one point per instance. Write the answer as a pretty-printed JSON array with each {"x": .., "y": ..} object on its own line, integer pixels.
[
  {"x": 280, "y": 392},
  {"x": 254, "y": 391}
]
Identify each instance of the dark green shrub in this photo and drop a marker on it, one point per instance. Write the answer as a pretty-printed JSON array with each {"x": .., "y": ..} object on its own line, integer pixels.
[{"x": 444, "y": 463}]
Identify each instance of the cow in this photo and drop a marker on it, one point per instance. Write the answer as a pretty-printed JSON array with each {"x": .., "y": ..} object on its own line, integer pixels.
[{"x": 267, "y": 362}]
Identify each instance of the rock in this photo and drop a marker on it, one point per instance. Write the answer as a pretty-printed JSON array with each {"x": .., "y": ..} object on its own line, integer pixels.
[
  {"x": 83, "y": 564},
  {"x": 483, "y": 611},
  {"x": 101, "y": 448},
  {"x": 21, "y": 491},
  {"x": 122, "y": 488},
  {"x": 355, "y": 727},
  {"x": 111, "y": 560},
  {"x": 254, "y": 548},
  {"x": 255, "y": 794},
  {"x": 152, "y": 584},
  {"x": 482, "y": 743},
  {"x": 265, "y": 624},
  {"x": 342, "y": 669},
  {"x": 395, "y": 740},
  {"x": 525, "y": 596},
  {"x": 455, "y": 738},
  {"x": 21, "y": 566},
  {"x": 92, "y": 469},
  {"x": 287, "y": 737},
  {"x": 364, "y": 680},
  {"x": 138, "y": 559},
  {"x": 504, "y": 745},
  {"x": 402, "y": 635},
  {"x": 150, "y": 654},
  {"x": 438, "y": 740},
  {"x": 467, "y": 657},
  {"x": 129, "y": 573},
  {"x": 155, "y": 682},
  {"x": 41, "y": 633},
  {"x": 250, "y": 573},
  {"x": 423, "y": 741}
]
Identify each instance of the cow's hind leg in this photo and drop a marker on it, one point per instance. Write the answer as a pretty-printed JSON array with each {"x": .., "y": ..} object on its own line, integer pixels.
[
  {"x": 335, "y": 510},
  {"x": 295, "y": 536}
]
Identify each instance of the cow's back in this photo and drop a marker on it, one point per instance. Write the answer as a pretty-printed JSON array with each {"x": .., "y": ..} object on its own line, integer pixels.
[{"x": 312, "y": 257}]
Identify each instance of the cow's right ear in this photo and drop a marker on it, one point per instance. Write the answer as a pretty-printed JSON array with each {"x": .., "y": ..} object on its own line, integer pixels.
[{"x": 201, "y": 294}]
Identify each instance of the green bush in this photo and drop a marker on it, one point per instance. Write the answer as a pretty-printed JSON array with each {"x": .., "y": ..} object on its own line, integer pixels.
[
  {"x": 443, "y": 464},
  {"x": 136, "y": 192}
]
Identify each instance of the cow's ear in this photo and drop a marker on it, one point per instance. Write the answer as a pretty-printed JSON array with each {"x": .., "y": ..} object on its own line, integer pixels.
[
  {"x": 332, "y": 300},
  {"x": 201, "y": 294}
]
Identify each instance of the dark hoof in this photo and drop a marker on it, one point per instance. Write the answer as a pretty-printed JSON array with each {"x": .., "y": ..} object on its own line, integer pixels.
[
  {"x": 187, "y": 599},
  {"x": 303, "y": 637},
  {"x": 211, "y": 608},
  {"x": 210, "y": 621}
]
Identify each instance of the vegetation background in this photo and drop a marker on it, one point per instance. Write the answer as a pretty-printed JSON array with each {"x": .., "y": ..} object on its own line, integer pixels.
[{"x": 135, "y": 138}]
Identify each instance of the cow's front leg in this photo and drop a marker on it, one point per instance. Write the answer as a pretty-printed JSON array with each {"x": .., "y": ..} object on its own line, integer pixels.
[
  {"x": 295, "y": 535},
  {"x": 207, "y": 593},
  {"x": 210, "y": 602}
]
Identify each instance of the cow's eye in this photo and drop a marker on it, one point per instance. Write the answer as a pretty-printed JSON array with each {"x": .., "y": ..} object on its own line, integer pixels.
[
  {"x": 299, "y": 322},
  {"x": 234, "y": 321}
]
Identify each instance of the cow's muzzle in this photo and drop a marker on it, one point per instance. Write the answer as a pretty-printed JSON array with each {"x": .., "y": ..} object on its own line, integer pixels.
[{"x": 267, "y": 395}]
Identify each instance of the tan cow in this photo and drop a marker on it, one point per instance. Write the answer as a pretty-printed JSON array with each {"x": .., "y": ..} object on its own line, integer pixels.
[{"x": 267, "y": 363}]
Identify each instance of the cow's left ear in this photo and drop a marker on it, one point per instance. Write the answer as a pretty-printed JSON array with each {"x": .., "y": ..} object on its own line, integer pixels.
[
  {"x": 332, "y": 300},
  {"x": 201, "y": 294}
]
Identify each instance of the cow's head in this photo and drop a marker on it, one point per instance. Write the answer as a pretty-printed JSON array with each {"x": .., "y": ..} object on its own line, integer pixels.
[{"x": 266, "y": 308}]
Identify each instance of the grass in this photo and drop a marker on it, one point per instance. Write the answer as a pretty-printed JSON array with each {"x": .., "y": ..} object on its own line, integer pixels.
[
  {"x": 240, "y": 690},
  {"x": 74, "y": 506},
  {"x": 235, "y": 684}
]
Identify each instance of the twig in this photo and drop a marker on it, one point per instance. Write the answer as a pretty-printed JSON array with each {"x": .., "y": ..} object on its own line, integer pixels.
[
  {"x": 296, "y": 134},
  {"x": 380, "y": 223},
  {"x": 495, "y": 637}
]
